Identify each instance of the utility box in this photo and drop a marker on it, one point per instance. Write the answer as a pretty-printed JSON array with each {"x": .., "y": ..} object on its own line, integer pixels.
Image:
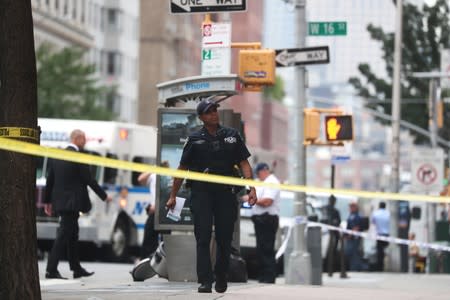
[{"x": 257, "y": 67}]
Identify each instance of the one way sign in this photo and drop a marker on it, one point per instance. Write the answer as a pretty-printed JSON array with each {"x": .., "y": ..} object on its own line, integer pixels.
[
  {"x": 302, "y": 56},
  {"x": 205, "y": 6}
]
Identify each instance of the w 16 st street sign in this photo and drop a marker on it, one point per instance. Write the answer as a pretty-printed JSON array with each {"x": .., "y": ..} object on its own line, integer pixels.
[
  {"x": 204, "y": 6},
  {"x": 302, "y": 56},
  {"x": 327, "y": 28}
]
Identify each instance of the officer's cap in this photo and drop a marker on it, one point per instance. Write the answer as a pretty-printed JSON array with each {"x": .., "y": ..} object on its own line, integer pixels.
[
  {"x": 261, "y": 166},
  {"x": 204, "y": 105}
]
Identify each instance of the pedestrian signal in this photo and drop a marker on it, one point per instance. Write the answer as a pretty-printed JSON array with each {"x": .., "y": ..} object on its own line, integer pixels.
[
  {"x": 311, "y": 124},
  {"x": 257, "y": 66},
  {"x": 339, "y": 128}
]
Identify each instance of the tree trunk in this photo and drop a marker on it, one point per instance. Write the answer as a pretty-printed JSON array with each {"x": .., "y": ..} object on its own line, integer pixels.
[{"x": 19, "y": 276}]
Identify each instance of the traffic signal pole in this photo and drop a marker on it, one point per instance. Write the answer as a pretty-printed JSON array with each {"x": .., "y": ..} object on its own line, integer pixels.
[
  {"x": 299, "y": 265},
  {"x": 396, "y": 98}
]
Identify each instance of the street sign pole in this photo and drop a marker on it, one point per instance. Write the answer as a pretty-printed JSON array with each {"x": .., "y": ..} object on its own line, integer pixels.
[{"x": 299, "y": 265}]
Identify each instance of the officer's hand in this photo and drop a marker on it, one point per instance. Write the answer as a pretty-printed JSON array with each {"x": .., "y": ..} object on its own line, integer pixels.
[
  {"x": 170, "y": 204},
  {"x": 150, "y": 209},
  {"x": 108, "y": 198},
  {"x": 252, "y": 196},
  {"x": 48, "y": 209}
]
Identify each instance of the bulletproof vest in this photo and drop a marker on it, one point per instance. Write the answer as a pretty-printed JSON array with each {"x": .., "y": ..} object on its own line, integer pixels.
[{"x": 213, "y": 155}]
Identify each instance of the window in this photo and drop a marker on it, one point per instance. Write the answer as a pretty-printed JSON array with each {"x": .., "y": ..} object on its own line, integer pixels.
[
  {"x": 113, "y": 63},
  {"x": 110, "y": 176},
  {"x": 112, "y": 16},
  {"x": 95, "y": 170},
  {"x": 135, "y": 175},
  {"x": 41, "y": 163}
]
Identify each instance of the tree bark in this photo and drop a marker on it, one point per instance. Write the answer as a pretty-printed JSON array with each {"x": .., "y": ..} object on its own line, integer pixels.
[{"x": 19, "y": 276}]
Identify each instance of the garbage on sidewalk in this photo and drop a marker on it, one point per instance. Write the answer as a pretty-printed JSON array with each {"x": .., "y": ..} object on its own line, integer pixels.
[{"x": 149, "y": 267}]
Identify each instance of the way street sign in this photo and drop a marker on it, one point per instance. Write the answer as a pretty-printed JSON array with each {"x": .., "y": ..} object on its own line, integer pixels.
[
  {"x": 302, "y": 56},
  {"x": 204, "y": 6},
  {"x": 327, "y": 28}
]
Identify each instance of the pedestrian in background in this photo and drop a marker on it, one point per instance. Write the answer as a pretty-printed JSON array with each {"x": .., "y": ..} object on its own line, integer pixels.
[
  {"x": 151, "y": 236},
  {"x": 333, "y": 218},
  {"x": 213, "y": 149},
  {"x": 265, "y": 220},
  {"x": 353, "y": 242},
  {"x": 380, "y": 218},
  {"x": 66, "y": 193},
  {"x": 414, "y": 253}
]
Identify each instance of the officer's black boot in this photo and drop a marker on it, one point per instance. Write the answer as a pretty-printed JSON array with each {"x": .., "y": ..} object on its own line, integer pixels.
[{"x": 205, "y": 288}]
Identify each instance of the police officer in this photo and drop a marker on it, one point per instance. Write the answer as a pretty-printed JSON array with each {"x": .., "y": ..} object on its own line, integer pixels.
[{"x": 213, "y": 149}]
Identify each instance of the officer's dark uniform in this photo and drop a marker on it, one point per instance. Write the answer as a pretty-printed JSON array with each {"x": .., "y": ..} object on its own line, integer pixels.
[{"x": 211, "y": 201}]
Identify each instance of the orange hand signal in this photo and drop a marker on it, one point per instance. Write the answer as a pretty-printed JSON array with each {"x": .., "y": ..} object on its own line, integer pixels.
[{"x": 333, "y": 128}]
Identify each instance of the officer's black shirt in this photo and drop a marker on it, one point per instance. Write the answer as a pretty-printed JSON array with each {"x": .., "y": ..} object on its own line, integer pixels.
[{"x": 217, "y": 154}]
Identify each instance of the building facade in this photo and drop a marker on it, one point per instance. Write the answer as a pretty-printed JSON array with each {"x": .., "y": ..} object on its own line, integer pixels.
[
  {"x": 61, "y": 23},
  {"x": 169, "y": 49},
  {"x": 109, "y": 32}
]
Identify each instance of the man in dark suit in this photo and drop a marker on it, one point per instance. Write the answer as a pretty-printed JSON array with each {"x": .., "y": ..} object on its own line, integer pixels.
[{"x": 66, "y": 193}]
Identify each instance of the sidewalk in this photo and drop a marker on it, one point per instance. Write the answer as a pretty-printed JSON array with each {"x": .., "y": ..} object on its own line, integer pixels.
[{"x": 112, "y": 281}]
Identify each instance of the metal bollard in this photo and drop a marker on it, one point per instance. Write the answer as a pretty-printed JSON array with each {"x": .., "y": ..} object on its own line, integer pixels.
[{"x": 314, "y": 242}]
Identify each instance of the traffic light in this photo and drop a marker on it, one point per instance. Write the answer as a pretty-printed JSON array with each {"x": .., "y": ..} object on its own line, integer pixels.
[
  {"x": 311, "y": 125},
  {"x": 257, "y": 66},
  {"x": 339, "y": 127}
]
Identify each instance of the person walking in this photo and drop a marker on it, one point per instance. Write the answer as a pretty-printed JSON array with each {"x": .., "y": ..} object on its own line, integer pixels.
[
  {"x": 265, "y": 218},
  {"x": 353, "y": 242},
  {"x": 380, "y": 218},
  {"x": 213, "y": 149},
  {"x": 66, "y": 194},
  {"x": 333, "y": 218},
  {"x": 151, "y": 236}
]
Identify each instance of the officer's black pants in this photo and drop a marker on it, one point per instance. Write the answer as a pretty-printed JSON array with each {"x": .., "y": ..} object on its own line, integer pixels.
[
  {"x": 66, "y": 240},
  {"x": 213, "y": 203},
  {"x": 381, "y": 245},
  {"x": 266, "y": 227}
]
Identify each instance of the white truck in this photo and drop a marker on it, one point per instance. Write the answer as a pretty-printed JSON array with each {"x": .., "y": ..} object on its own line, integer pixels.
[{"x": 117, "y": 226}]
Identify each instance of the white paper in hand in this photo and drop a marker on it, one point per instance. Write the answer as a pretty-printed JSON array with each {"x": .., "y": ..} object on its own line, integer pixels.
[{"x": 175, "y": 213}]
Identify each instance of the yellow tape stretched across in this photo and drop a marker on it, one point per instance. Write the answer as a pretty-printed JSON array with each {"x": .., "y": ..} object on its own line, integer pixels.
[
  {"x": 36, "y": 150},
  {"x": 20, "y": 132}
]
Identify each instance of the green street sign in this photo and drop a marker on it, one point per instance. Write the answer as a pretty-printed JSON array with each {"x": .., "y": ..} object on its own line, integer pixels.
[
  {"x": 206, "y": 54},
  {"x": 327, "y": 28}
]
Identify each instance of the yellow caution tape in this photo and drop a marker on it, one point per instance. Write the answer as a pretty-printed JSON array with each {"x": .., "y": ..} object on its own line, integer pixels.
[
  {"x": 32, "y": 149},
  {"x": 19, "y": 132}
]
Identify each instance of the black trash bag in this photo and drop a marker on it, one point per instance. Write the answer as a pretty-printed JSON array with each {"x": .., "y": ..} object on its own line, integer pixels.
[{"x": 238, "y": 269}]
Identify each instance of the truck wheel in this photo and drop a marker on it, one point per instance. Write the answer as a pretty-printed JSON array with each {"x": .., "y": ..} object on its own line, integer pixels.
[{"x": 119, "y": 241}]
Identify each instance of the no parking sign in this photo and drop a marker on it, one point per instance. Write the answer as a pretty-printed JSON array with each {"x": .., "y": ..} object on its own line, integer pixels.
[{"x": 427, "y": 170}]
